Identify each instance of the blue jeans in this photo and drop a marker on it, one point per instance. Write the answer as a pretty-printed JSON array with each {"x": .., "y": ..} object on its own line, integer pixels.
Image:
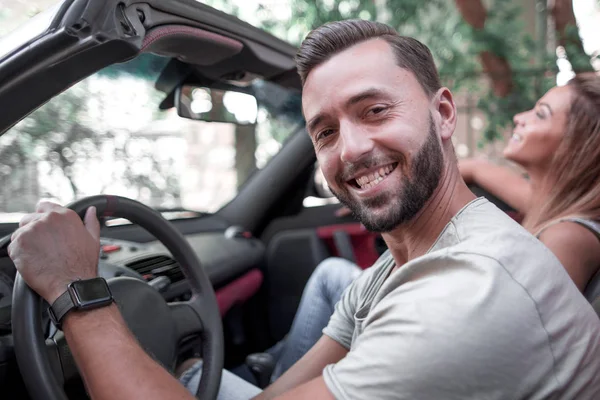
[
  {"x": 232, "y": 386},
  {"x": 321, "y": 293}
]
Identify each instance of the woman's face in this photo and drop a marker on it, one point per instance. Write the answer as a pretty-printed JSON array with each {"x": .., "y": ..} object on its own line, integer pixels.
[{"x": 538, "y": 132}]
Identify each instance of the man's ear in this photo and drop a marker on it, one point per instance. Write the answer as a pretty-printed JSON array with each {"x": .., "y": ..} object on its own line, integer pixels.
[{"x": 445, "y": 112}]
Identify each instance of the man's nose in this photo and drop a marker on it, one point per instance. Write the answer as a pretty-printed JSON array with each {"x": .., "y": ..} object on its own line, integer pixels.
[{"x": 355, "y": 143}]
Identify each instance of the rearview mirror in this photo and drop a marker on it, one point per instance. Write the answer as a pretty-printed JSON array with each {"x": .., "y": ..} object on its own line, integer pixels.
[{"x": 215, "y": 105}]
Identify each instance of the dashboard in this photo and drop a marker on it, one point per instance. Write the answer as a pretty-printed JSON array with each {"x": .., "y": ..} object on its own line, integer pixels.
[
  {"x": 225, "y": 256},
  {"x": 231, "y": 257}
]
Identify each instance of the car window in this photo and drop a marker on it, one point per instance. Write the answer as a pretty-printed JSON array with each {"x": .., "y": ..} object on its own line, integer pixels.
[{"x": 107, "y": 135}]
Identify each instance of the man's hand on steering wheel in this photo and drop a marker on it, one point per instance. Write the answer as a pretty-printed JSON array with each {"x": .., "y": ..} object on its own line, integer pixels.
[
  {"x": 118, "y": 327},
  {"x": 52, "y": 248}
]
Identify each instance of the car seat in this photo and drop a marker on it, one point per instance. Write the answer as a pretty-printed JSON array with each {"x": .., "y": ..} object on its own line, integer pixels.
[{"x": 592, "y": 292}]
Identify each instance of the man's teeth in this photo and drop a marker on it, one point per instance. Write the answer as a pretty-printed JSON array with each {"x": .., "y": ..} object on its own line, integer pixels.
[
  {"x": 367, "y": 181},
  {"x": 516, "y": 137}
]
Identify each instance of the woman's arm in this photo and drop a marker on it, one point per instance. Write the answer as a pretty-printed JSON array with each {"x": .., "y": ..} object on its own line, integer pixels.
[
  {"x": 501, "y": 182},
  {"x": 577, "y": 249}
]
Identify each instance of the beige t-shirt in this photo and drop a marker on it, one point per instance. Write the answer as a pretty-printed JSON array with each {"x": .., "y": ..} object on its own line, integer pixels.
[{"x": 488, "y": 313}]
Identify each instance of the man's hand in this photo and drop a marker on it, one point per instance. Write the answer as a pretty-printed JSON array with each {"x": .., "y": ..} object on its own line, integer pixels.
[{"x": 53, "y": 248}]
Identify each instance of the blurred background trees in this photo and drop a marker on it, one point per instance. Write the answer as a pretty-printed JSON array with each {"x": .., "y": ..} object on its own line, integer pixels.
[
  {"x": 502, "y": 54},
  {"x": 498, "y": 57}
]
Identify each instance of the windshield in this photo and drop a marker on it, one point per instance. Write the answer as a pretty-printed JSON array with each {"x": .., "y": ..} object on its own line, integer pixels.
[{"x": 106, "y": 135}]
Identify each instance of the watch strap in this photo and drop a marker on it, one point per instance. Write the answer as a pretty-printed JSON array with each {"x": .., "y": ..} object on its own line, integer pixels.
[{"x": 61, "y": 307}]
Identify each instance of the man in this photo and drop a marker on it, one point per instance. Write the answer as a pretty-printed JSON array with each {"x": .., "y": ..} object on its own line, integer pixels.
[{"x": 466, "y": 304}]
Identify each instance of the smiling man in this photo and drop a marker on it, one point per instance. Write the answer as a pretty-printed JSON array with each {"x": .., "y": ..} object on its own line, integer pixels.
[{"x": 466, "y": 303}]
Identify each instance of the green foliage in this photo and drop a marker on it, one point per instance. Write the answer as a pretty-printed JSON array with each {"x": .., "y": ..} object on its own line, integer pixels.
[
  {"x": 504, "y": 35},
  {"x": 72, "y": 130},
  {"x": 579, "y": 60},
  {"x": 50, "y": 133},
  {"x": 454, "y": 44}
]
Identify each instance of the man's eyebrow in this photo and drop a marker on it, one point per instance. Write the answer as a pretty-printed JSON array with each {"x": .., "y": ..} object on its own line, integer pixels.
[
  {"x": 365, "y": 95},
  {"x": 314, "y": 122},
  {"x": 542, "y": 104},
  {"x": 357, "y": 98}
]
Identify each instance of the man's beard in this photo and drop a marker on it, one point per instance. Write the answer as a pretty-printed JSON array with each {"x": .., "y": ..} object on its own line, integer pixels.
[{"x": 416, "y": 188}]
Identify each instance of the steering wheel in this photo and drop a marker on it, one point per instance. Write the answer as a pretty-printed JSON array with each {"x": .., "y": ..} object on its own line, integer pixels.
[{"x": 159, "y": 327}]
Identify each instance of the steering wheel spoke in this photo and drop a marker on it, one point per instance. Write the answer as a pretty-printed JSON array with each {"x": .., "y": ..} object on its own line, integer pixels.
[
  {"x": 61, "y": 359},
  {"x": 188, "y": 317}
]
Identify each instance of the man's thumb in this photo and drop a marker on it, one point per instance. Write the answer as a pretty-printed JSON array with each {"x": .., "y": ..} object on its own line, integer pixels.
[{"x": 91, "y": 222}]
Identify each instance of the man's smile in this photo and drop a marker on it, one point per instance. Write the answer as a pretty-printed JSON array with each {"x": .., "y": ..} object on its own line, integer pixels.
[{"x": 372, "y": 177}]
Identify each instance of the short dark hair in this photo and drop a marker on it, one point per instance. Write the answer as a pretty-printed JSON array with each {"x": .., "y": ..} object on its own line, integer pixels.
[{"x": 333, "y": 37}]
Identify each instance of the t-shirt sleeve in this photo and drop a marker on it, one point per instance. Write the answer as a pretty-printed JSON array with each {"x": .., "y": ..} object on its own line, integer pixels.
[
  {"x": 446, "y": 334},
  {"x": 341, "y": 324}
]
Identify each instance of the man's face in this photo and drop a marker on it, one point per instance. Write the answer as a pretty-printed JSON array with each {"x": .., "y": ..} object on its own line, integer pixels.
[{"x": 373, "y": 134}]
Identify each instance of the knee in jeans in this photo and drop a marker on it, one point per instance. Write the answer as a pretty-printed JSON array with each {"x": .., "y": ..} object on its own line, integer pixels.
[{"x": 333, "y": 268}]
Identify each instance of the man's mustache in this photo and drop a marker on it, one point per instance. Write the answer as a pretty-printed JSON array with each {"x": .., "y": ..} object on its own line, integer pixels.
[{"x": 350, "y": 170}]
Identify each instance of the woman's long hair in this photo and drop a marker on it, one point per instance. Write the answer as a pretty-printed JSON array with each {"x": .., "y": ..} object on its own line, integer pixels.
[{"x": 573, "y": 182}]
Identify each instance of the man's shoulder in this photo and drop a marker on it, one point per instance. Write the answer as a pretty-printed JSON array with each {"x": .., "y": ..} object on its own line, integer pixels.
[
  {"x": 497, "y": 249},
  {"x": 487, "y": 232},
  {"x": 376, "y": 273}
]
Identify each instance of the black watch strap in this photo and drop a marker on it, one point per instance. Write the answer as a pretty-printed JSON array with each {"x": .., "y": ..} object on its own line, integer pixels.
[{"x": 60, "y": 308}]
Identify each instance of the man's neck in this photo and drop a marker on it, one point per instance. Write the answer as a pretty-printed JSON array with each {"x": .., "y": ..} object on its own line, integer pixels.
[{"x": 413, "y": 239}]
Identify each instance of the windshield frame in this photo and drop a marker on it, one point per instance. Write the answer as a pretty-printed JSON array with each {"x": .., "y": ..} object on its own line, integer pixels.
[
  {"x": 35, "y": 28},
  {"x": 281, "y": 114}
]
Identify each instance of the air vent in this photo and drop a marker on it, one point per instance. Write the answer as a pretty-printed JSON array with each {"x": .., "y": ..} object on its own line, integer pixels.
[{"x": 158, "y": 266}]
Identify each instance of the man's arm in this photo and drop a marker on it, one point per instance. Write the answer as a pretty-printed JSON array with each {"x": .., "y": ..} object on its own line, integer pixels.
[
  {"x": 112, "y": 363},
  {"x": 51, "y": 249},
  {"x": 499, "y": 181},
  {"x": 305, "y": 376}
]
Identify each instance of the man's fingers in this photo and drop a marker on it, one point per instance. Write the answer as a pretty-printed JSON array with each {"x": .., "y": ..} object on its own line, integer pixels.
[
  {"x": 47, "y": 206},
  {"x": 11, "y": 251},
  {"x": 91, "y": 222},
  {"x": 29, "y": 218}
]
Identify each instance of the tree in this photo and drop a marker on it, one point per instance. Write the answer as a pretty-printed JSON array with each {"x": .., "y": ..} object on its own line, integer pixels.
[
  {"x": 53, "y": 134},
  {"x": 507, "y": 55},
  {"x": 467, "y": 40},
  {"x": 568, "y": 35},
  {"x": 72, "y": 131},
  {"x": 495, "y": 65}
]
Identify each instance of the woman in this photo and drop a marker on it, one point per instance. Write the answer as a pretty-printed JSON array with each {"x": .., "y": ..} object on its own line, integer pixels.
[{"x": 558, "y": 145}]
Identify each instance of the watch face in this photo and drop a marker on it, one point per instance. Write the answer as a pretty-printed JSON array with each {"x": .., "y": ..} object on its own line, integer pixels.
[{"x": 91, "y": 292}]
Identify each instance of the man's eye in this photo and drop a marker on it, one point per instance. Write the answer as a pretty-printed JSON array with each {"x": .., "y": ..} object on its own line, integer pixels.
[
  {"x": 376, "y": 110},
  {"x": 324, "y": 134},
  {"x": 540, "y": 115}
]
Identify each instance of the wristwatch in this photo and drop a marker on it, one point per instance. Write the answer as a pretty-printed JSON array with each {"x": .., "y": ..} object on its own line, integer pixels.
[{"x": 80, "y": 295}]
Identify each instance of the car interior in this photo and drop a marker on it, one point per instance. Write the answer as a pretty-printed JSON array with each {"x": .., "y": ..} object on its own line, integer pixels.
[{"x": 257, "y": 251}]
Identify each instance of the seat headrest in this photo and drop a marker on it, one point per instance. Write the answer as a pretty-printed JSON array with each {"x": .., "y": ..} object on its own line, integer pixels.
[
  {"x": 596, "y": 306},
  {"x": 592, "y": 292}
]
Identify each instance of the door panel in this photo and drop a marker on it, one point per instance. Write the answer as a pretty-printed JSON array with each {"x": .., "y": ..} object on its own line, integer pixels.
[
  {"x": 362, "y": 242},
  {"x": 297, "y": 244}
]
